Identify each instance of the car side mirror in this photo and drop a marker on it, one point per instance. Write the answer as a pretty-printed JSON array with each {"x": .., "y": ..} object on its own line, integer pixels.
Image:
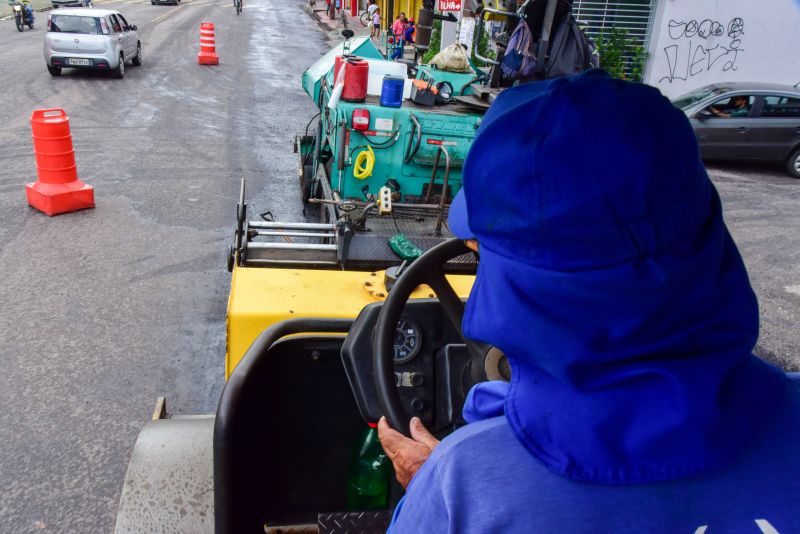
[
  {"x": 133, "y": 27},
  {"x": 703, "y": 114}
]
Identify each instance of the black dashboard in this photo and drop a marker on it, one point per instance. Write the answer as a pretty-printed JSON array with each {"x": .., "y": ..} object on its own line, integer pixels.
[{"x": 431, "y": 364}]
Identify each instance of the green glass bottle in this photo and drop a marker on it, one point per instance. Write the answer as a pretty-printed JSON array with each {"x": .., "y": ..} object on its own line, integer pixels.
[{"x": 368, "y": 483}]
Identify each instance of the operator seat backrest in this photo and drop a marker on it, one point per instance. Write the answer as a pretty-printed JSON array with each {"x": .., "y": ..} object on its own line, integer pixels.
[{"x": 283, "y": 432}]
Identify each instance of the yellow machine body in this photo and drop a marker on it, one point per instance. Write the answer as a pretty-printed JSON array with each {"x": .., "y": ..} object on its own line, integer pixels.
[{"x": 261, "y": 297}]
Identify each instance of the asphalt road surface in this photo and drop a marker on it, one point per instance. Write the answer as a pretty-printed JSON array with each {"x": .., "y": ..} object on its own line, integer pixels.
[
  {"x": 103, "y": 310},
  {"x": 761, "y": 206}
]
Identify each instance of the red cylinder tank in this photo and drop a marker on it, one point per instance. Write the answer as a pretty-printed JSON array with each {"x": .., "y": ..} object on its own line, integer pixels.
[
  {"x": 356, "y": 76},
  {"x": 337, "y": 63}
]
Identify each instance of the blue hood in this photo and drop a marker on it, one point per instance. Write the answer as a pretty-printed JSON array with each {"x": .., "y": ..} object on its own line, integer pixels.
[{"x": 610, "y": 281}]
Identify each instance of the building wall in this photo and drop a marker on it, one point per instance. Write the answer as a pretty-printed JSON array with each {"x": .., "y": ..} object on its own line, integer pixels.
[{"x": 698, "y": 42}]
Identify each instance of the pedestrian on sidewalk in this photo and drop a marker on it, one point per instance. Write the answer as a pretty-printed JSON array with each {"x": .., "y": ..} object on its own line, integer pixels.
[
  {"x": 376, "y": 23},
  {"x": 371, "y": 8},
  {"x": 398, "y": 29}
]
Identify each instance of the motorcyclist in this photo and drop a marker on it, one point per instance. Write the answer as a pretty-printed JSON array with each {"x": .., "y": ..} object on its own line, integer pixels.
[
  {"x": 609, "y": 279},
  {"x": 26, "y": 6}
]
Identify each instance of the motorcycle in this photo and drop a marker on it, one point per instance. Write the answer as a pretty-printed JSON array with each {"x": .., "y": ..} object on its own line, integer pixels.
[{"x": 23, "y": 14}]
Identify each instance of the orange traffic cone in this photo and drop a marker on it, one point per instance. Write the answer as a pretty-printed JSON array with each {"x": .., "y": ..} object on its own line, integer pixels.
[
  {"x": 208, "y": 54},
  {"x": 58, "y": 189}
]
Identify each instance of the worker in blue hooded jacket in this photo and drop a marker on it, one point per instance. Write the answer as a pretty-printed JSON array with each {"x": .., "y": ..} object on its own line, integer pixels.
[{"x": 608, "y": 278}]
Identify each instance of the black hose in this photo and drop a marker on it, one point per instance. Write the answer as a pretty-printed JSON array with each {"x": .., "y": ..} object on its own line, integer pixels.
[
  {"x": 418, "y": 132},
  {"x": 305, "y": 160},
  {"x": 380, "y": 146}
]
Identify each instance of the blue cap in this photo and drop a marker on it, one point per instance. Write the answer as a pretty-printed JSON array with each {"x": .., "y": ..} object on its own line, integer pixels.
[
  {"x": 476, "y": 168},
  {"x": 609, "y": 279},
  {"x": 457, "y": 218}
]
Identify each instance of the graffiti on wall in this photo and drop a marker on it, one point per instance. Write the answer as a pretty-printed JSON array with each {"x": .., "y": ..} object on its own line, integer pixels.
[{"x": 696, "y": 47}]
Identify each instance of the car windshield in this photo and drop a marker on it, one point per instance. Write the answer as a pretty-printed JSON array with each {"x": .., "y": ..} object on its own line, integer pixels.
[
  {"x": 75, "y": 24},
  {"x": 685, "y": 101}
]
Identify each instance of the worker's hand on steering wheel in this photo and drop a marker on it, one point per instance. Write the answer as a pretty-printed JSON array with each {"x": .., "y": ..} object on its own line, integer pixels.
[{"x": 407, "y": 454}]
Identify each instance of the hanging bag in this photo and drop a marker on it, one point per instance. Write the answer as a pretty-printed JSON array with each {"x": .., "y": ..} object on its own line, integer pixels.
[
  {"x": 519, "y": 60},
  {"x": 571, "y": 51}
]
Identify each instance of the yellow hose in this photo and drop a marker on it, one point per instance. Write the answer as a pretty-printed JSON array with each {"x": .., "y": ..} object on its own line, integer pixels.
[{"x": 365, "y": 162}]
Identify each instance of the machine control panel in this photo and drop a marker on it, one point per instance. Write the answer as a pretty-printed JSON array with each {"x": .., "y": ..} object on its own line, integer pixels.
[{"x": 422, "y": 332}]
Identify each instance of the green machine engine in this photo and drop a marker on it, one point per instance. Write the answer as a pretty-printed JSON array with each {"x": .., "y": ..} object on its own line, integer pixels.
[
  {"x": 416, "y": 151},
  {"x": 376, "y": 180}
]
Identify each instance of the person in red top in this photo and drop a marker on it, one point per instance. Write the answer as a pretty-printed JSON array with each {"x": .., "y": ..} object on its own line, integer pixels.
[{"x": 398, "y": 28}]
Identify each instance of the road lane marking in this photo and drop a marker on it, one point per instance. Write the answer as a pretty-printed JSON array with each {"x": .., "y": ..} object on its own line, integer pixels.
[{"x": 165, "y": 15}]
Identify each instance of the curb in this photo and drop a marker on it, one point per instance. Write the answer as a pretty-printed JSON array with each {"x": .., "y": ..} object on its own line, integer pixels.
[
  {"x": 40, "y": 10},
  {"x": 50, "y": 8},
  {"x": 315, "y": 14}
]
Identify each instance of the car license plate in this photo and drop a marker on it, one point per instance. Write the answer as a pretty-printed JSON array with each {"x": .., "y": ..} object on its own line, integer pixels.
[{"x": 78, "y": 61}]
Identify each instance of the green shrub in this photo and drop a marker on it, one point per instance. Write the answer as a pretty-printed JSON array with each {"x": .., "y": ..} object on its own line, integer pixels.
[
  {"x": 436, "y": 42},
  {"x": 620, "y": 55},
  {"x": 484, "y": 48}
]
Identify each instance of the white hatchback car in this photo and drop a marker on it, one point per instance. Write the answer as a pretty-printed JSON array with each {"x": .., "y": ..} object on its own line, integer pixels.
[{"x": 90, "y": 39}]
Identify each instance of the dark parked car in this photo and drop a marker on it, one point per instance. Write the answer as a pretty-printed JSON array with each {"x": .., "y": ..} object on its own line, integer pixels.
[{"x": 746, "y": 121}]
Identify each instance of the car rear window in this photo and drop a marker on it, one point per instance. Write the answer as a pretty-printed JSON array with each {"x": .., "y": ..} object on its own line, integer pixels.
[{"x": 75, "y": 24}]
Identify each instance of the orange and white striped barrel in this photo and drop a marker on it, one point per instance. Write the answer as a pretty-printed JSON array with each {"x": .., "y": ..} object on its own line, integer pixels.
[
  {"x": 208, "y": 47},
  {"x": 58, "y": 189}
]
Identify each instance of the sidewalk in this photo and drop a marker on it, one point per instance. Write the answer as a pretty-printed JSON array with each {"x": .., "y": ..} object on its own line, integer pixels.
[
  {"x": 335, "y": 26},
  {"x": 38, "y": 5}
]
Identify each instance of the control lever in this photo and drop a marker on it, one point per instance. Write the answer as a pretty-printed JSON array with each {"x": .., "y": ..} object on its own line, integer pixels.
[{"x": 393, "y": 273}]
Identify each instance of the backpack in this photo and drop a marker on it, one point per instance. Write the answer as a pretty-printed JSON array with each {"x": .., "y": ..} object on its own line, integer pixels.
[
  {"x": 570, "y": 52},
  {"x": 519, "y": 60}
]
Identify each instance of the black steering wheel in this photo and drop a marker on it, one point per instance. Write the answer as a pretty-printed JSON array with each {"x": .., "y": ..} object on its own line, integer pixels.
[{"x": 427, "y": 269}]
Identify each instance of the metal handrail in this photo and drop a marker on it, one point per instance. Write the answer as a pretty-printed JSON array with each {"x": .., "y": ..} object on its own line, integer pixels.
[
  {"x": 544, "y": 41},
  {"x": 282, "y": 233},
  {"x": 292, "y": 225},
  {"x": 445, "y": 180},
  {"x": 479, "y": 29},
  {"x": 257, "y": 245}
]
